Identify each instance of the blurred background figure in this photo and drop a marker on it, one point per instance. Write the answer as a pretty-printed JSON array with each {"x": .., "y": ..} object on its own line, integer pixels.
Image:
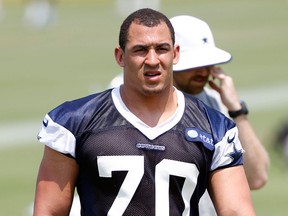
[
  {"x": 282, "y": 142},
  {"x": 39, "y": 13}
]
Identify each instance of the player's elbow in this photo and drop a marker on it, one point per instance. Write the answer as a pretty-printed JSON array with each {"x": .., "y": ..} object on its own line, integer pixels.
[{"x": 259, "y": 182}]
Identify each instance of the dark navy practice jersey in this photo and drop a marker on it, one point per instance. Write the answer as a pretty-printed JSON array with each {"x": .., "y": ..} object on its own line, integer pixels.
[{"x": 129, "y": 168}]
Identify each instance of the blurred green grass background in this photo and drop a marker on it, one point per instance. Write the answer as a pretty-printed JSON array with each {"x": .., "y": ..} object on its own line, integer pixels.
[{"x": 73, "y": 57}]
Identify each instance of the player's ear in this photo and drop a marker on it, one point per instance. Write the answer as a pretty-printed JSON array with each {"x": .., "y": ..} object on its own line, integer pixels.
[
  {"x": 176, "y": 54},
  {"x": 119, "y": 55}
]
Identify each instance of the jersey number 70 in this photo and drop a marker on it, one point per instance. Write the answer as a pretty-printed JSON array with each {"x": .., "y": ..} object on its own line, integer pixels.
[{"x": 135, "y": 167}]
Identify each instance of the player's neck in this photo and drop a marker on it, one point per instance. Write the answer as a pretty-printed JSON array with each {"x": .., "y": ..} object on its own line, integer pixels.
[{"x": 152, "y": 110}]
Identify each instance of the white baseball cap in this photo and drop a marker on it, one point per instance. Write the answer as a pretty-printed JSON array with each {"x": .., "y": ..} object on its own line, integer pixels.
[{"x": 197, "y": 47}]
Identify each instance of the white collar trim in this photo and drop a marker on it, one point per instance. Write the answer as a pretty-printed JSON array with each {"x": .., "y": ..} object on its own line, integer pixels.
[{"x": 150, "y": 132}]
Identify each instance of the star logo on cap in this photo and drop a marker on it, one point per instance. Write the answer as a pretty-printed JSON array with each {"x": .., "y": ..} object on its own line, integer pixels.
[{"x": 205, "y": 40}]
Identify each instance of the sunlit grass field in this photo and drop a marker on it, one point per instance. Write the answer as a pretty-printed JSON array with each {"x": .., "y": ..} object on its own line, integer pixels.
[{"x": 73, "y": 57}]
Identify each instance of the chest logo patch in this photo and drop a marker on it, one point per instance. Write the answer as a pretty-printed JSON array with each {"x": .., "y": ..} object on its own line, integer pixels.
[{"x": 197, "y": 135}]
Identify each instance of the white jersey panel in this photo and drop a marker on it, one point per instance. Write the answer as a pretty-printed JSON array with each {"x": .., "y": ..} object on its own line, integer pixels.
[
  {"x": 57, "y": 137},
  {"x": 227, "y": 150}
]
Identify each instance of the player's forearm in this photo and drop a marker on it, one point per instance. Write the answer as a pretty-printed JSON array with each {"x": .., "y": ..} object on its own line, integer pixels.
[
  {"x": 52, "y": 199},
  {"x": 256, "y": 159},
  {"x": 49, "y": 205}
]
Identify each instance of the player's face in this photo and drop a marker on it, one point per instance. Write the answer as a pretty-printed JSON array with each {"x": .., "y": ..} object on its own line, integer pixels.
[
  {"x": 148, "y": 59},
  {"x": 192, "y": 81}
]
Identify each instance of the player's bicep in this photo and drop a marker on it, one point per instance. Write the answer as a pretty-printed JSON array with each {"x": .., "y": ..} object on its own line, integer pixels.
[
  {"x": 55, "y": 183},
  {"x": 230, "y": 192}
]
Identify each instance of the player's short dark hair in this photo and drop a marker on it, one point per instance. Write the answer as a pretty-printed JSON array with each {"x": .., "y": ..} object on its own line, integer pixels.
[{"x": 147, "y": 17}]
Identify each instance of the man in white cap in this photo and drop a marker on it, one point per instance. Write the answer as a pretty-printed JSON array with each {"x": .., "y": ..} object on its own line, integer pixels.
[{"x": 198, "y": 57}]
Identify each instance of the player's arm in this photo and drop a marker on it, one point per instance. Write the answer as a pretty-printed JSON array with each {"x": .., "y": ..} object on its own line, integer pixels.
[
  {"x": 55, "y": 184},
  {"x": 230, "y": 192},
  {"x": 256, "y": 159}
]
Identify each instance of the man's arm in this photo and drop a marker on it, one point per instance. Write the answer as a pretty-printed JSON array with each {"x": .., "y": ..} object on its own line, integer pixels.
[
  {"x": 55, "y": 184},
  {"x": 229, "y": 191},
  {"x": 256, "y": 159}
]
